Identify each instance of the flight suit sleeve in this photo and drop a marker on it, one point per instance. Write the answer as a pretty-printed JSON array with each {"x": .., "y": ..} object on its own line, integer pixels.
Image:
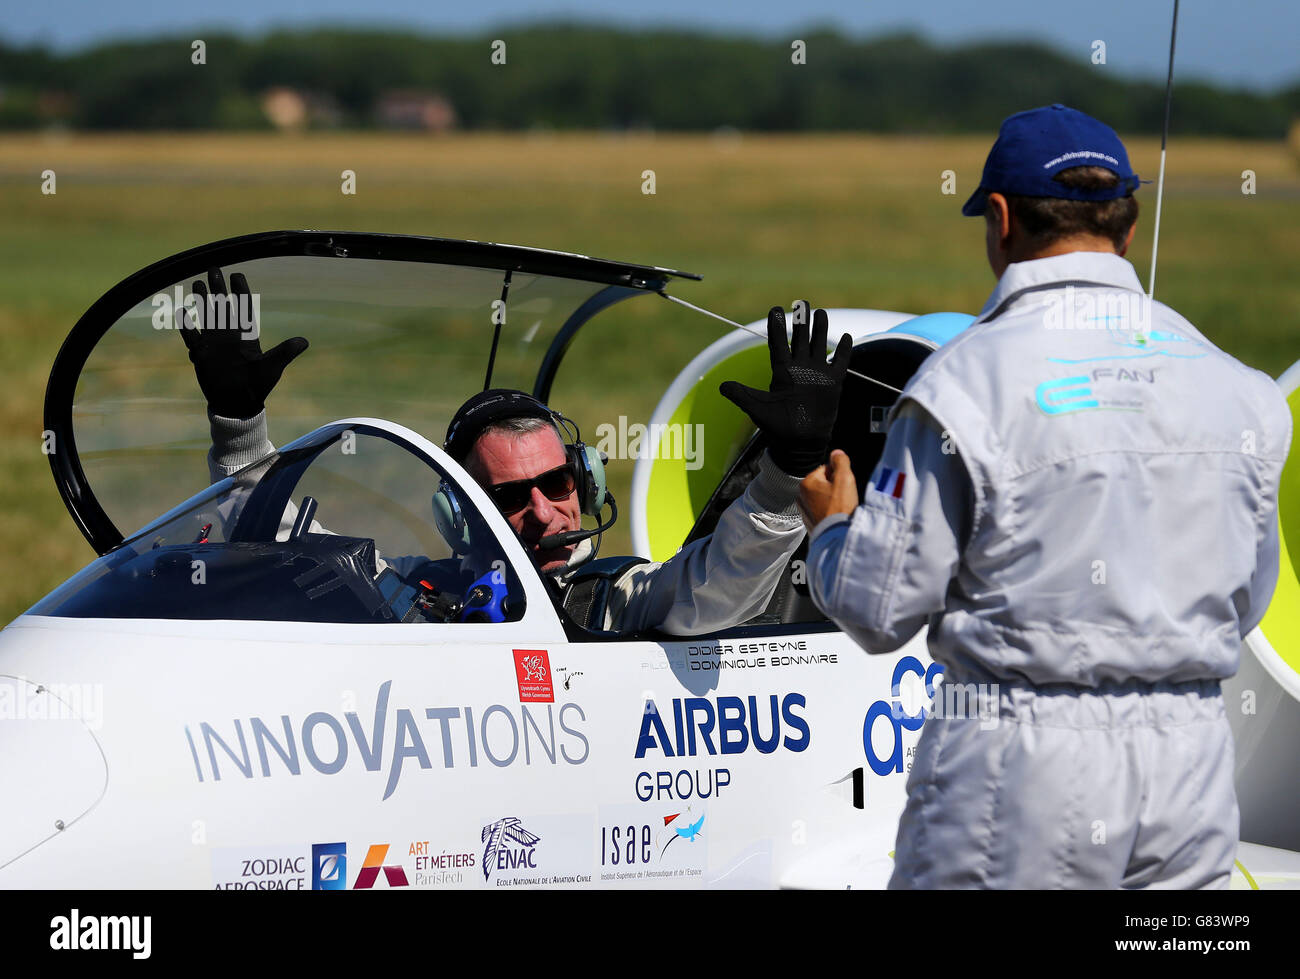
[
  {"x": 1264, "y": 580},
  {"x": 239, "y": 442},
  {"x": 1268, "y": 550},
  {"x": 883, "y": 571},
  {"x": 723, "y": 579},
  {"x": 236, "y": 443}
]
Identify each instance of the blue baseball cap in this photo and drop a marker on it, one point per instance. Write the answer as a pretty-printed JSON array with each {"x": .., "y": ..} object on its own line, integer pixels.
[{"x": 1034, "y": 146}]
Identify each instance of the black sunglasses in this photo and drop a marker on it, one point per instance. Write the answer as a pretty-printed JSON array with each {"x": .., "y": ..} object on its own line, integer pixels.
[{"x": 556, "y": 485}]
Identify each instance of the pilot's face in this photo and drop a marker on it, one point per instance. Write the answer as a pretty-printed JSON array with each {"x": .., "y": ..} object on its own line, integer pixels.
[{"x": 504, "y": 457}]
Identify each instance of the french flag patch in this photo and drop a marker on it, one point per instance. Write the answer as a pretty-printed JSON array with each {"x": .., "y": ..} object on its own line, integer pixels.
[{"x": 889, "y": 482}]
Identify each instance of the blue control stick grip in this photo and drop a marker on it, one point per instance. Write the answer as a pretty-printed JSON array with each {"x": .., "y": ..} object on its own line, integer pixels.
[{"x": 485, "y": 600}]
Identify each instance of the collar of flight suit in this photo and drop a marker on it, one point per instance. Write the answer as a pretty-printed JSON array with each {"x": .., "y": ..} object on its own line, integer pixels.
[{"x": 1080, "y": 269}]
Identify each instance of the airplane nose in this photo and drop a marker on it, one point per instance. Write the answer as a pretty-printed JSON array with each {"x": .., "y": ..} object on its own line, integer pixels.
[{"x": 51, "y": 766}]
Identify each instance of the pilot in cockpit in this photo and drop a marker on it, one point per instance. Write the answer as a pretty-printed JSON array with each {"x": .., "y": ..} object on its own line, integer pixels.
[{"x": 543, "y": 479}]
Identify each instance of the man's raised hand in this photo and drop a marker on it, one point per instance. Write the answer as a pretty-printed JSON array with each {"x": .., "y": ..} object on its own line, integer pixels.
[
  {"x": 235, "y": 375},
  {"x": 798, "y": 410}
]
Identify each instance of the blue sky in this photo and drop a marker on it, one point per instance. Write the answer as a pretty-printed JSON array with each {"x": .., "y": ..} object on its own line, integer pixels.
[{"x": 1252, "y": 43}]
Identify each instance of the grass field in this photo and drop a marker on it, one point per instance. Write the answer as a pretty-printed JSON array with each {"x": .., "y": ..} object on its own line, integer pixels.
[{"x": 843, "y": 221}]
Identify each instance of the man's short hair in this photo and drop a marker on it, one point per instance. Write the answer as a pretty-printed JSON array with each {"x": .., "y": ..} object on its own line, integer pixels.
[
  {"x": 1046, "y": 220},
  {"x": 520, "y": 426},
  {"x": 514, "y": 426},
  {"x": 484, "y": 409}
]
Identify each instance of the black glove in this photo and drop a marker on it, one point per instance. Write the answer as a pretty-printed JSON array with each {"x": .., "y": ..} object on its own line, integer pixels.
[
  {"x": 798, "y": 411},
  {"x": 233, "y": 373}
]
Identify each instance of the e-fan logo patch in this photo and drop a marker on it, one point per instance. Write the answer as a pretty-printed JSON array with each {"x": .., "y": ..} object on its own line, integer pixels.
[{"x": 533, "y": 672}]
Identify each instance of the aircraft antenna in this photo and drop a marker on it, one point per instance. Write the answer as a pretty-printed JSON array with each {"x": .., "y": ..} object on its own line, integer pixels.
[
  {"x": 1164, "y": 137},
  {"x": 498, "y": 317}
]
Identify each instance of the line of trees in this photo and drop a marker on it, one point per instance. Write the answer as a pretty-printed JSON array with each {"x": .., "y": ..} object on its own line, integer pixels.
[{"x": 586, "y": 77}]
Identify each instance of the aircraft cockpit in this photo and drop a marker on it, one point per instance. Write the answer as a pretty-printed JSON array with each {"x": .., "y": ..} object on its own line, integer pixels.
[{"x": 338, "y": 526}]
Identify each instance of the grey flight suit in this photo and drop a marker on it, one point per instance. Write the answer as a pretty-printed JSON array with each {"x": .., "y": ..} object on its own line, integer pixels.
[{"x": 1078, "y": 497}]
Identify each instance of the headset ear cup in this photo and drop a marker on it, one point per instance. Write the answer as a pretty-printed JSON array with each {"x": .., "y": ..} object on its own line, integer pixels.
[
  {"x": 449, "y": 519},
  {"x": 581, "y": 476},
  {"x": 591, "y": 478}
]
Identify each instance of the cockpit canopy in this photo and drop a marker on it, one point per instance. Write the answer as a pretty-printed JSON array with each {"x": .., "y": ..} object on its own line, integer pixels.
[
  {"x": 400, "y": 328},
  {"x": 337, "y": 526}
]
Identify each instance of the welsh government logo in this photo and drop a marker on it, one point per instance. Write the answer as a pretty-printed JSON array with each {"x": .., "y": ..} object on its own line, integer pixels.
[
  {"x": 678, "y": 826},
  {"x": 533, "y": 672},
  {"x": 329, "y": 866},
  {"x": 508, "y": 845},
  {"x": 374, "y": 863}
]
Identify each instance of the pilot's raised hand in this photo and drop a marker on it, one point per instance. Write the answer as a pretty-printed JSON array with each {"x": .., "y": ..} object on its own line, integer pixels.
[
  {"x": 798, "y": 410},
  {"x": 235, "y": 375}
]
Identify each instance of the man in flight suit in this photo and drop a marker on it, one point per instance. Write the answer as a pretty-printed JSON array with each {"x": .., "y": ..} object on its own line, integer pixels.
[{"x": 1078, "y": 497}]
